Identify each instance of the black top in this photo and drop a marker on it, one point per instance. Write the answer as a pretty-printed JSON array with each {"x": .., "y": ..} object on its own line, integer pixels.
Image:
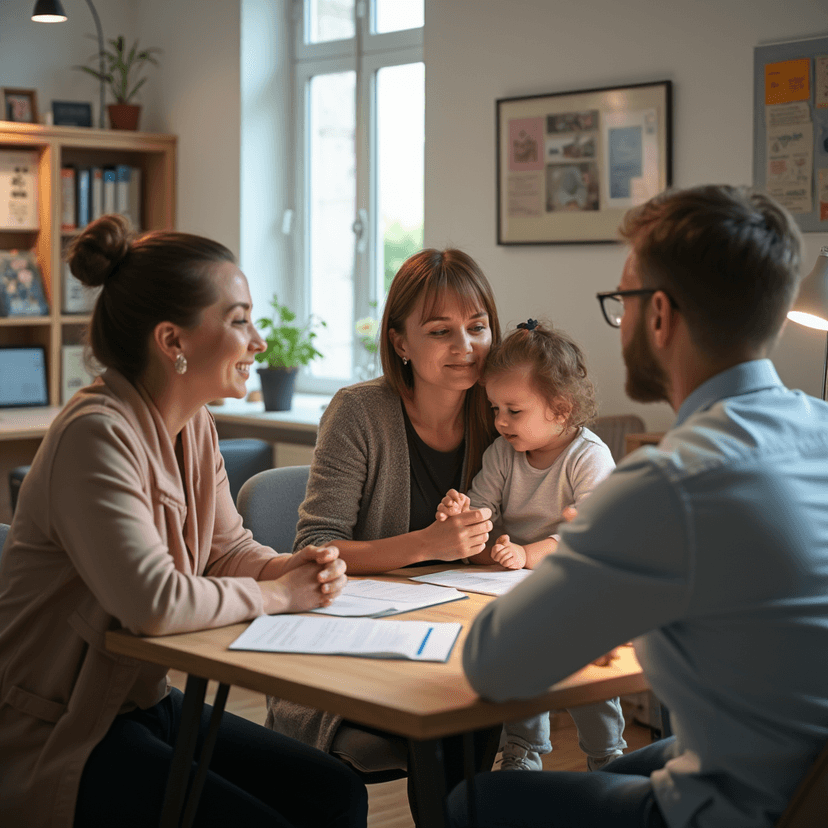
[{"x": 433, "y": 473}]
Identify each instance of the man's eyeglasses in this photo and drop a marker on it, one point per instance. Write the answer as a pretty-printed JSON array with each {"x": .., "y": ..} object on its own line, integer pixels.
[{"x": 612, "y": 303}]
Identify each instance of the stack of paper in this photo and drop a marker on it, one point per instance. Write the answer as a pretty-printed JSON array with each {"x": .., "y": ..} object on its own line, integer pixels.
[
  {"x": 365, "y": 637},
  {"x": 378, "y": 598},
  {"x": 471, "y": 580}
]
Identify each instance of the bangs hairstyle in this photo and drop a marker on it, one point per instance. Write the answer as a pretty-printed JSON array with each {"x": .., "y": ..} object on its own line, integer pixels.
[
  {"x": 434, "y": 275},
  {"x": 557, "y": 368},
  {"x": 729, "y": 258}
]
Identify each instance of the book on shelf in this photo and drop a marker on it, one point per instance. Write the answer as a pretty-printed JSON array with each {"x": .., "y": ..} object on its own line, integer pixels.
[
  {"x": 21, "y": 285},
  {"x": 68, "y": 199},
  {"x": 96, "y": 200},
  {"x": 78, "y": 369},
  {"x": 77, "y": 298},
  {"x": 84, "y": 194},
  {"x": 135, "y": 198},
  {"x": 18, "y": 190},
  {"x": 109, "y": 190}
]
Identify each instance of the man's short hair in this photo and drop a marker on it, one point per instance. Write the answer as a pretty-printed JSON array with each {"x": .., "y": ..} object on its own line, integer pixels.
[{"x": 729, "y": 258}]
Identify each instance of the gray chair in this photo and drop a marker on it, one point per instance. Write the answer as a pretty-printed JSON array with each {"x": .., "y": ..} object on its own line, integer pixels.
[
  {"x": 244, "y": 457},
  {"x": 613, "y": 430},
  {"x": 269, "y": 505},
  {"x": 4, "y": 530}
]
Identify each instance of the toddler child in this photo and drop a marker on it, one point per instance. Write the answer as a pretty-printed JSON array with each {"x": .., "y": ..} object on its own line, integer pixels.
[{"x": 544, "y": 463}]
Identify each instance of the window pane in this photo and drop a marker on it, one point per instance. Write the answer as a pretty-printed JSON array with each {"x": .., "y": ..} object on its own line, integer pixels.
[
  {"x": 330, "y": 20},
  {"x": 400, "y": 175},
  {"x": 332, "y": 204},
  {"x": 394, "y": 15}
]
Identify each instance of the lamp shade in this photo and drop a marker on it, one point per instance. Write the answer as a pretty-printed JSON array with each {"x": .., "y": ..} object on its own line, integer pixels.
[
  {"x": 811, "y": 305},
  {"x": 48, "y": 11}
]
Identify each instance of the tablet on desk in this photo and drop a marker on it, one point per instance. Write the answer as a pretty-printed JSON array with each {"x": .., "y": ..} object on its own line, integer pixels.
[{"x": 23, "y": 380}]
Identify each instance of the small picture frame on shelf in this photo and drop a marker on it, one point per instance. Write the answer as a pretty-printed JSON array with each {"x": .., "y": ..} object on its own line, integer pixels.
[
  {"x": 71, "y": 113},
  {"x": 20, "y": 105},
  {"x": 21, "y": 285}
]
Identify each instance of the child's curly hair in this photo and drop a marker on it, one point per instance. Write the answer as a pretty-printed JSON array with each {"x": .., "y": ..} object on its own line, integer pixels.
[{"x": 557, "y": 367}]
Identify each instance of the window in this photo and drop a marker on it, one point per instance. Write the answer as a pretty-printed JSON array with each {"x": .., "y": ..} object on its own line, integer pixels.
[{"x": 360, "y": 120}]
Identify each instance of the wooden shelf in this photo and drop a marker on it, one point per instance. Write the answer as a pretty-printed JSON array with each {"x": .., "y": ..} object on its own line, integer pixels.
[{"x": 154, "y": 154}]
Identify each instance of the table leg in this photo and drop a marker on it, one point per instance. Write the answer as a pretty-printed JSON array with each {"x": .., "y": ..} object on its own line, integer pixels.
[
  {"x": 184, "y": 752},
  {"x": 428, "y": 778}
]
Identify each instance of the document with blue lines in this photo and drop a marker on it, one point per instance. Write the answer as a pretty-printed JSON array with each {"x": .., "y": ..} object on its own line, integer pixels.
[{"x": 362, "y": 637}]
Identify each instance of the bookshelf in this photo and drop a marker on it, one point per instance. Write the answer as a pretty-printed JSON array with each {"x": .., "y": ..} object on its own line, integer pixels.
[{"x": 55, "y": 147}]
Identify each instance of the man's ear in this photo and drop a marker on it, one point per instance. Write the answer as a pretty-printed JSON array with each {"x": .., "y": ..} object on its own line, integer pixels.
[
  {"x": 663, "y": 319},
  {"x": 167, "y": 338}
]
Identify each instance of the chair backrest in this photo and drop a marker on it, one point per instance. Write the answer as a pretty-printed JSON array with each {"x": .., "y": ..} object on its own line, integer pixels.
[
  {"x": 269, "y": 505},
  {"x": 809, "y": 804},
  {"x": 613, "y": 430},
  {"x": 4, "y": 530},
  {"x": 244, "y": 457}
]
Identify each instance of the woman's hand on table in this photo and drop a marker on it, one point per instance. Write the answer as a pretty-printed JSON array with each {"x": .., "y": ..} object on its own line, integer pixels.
[
  {"x": 459, "y": 536},
  {"x": 313, "y": 577}
]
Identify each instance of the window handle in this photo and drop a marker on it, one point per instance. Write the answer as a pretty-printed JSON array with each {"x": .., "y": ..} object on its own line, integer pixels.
[{"x": 360, "y": 229}]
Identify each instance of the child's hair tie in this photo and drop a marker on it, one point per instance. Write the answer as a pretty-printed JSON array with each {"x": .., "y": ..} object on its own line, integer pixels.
[{"x": 529, "y": 324}]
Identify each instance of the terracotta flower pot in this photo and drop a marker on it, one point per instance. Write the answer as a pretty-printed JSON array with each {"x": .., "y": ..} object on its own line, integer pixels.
[{"x": 124, "y": 116}]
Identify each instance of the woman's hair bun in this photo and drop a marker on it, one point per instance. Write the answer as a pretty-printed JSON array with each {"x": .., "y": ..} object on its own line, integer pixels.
[{"x": 99, "y": 249}]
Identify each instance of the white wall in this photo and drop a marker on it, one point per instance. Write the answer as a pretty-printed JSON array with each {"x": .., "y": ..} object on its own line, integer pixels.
[{"x": 477, "y": 51}]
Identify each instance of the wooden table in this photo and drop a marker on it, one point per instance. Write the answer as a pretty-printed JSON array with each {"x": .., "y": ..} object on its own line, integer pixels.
[{"x": 420, "y": 701}]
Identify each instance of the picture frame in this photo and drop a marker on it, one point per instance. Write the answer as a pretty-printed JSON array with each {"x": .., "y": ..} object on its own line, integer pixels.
[
  {"x": 570, "y": 164},
  {"x": 20, "y": 105},
  {"x": 71, "y": 113}
]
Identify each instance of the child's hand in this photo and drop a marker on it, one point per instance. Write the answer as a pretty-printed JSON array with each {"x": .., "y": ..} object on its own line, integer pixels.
[
  {"x": 452, "y": 504},
  {"x": 507, "y": 554},
  {"x": 570, "y": 513}
]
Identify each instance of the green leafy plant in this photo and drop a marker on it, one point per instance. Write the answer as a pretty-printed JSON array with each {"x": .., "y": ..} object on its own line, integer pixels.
[
  {"x": 289, "y": 345},
  {"x": 367, "y": 330},
  {"x": 122, "y": 69}
]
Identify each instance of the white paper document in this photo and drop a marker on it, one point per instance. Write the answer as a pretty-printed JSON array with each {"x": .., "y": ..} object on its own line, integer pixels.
[
  {"x": 365, "y": 637},
  {"x": 489, "y": 583},
  {"x": 380, "y": 598}
]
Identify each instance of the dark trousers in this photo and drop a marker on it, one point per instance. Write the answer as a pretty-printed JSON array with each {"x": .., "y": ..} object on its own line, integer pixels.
[
  {"x": 621, "y": 795},
  {"x": 257, "y": 777}
]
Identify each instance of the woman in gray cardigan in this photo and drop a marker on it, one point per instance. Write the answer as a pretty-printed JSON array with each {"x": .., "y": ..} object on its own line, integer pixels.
[{"x": 389, "y": 449}]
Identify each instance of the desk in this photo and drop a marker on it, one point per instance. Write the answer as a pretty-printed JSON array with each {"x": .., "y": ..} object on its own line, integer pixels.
[{"x": 420, "y": 701}]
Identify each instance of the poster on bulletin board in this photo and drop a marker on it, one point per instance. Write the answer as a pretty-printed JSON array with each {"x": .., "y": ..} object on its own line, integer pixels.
[{"x": 790, "y": 128}]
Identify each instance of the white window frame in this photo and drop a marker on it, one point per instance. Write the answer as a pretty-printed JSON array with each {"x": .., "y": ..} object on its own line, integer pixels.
[{"x": 310, "y": 59}]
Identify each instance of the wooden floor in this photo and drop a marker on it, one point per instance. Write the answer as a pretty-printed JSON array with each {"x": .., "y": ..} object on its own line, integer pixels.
[{"x": 388, "y": 802}]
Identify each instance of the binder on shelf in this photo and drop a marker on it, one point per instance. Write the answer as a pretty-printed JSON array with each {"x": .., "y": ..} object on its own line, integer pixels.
[
  {"x": 68, "y": 212},
  {"x": 83, "y": 176},
  {"x": 21, "y": 286},
  {"x": 96, "y": 193},
  {"x": 109, "y": 190},
  {"x": 77, "y": 298},
  {"x": 18, "y": 190},
  {"x": 135, "y": 198},
  {"x": 123, "y": 172},
  {"x": 76, "y": 372}
]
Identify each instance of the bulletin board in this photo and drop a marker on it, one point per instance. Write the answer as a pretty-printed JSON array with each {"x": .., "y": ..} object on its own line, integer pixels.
[{"x": 790, "y": 128}]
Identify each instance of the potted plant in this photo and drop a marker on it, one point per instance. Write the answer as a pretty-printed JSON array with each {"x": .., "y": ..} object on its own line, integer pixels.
[
  {"x": 289, "y": 346},
  {"x": 122, "y": 72}
]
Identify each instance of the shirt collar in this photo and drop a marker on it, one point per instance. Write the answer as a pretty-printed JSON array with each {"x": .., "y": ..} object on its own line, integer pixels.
[{"x": 743, "y": 378}]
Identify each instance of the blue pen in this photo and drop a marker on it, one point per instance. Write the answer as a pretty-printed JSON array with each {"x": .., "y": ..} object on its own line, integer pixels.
[{"x": 422, "y": 646}]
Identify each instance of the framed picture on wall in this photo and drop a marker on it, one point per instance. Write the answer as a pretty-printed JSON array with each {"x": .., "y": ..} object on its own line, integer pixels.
[
  {"x": 570, "y": 164},
  {"x": 20, "y": 105}
]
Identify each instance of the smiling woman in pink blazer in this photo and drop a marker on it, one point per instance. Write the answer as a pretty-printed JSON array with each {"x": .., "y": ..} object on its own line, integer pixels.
[{"x": 126, "y": 521}]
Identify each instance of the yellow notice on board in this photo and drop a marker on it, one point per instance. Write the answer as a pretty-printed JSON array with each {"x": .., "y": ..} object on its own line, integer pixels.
[{"x": 787, "y": 81}]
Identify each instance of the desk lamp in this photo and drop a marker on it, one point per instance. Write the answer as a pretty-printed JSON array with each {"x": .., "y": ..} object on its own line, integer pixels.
[
  {"x": 811, "y": 306},
  {"x": 51, "y": 11}
]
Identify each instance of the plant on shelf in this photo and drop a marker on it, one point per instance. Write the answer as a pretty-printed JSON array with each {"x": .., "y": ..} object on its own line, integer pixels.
[
  {"x": 289, "y": 346},
  {"x": 122, "y": 73}
]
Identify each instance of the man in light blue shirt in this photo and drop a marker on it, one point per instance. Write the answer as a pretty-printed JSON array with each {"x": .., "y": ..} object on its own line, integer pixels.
[{"x": 711, "y": 550}]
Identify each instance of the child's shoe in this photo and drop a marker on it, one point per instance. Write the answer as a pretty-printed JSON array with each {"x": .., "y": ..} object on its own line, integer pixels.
[
  {"x": 518, "y": 758},
  {"x": 597, "y": 763}
]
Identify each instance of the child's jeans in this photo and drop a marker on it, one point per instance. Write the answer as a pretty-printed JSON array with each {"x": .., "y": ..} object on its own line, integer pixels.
[{"x": 600, "y": 730}]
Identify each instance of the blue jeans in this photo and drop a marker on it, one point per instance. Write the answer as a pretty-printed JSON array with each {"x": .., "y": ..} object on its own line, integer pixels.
[
  {"x": 256, "y": 778},
  {"x": 620, "y": 795}
]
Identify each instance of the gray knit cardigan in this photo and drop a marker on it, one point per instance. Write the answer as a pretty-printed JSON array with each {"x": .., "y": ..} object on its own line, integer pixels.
[{"x": 359, "y": 489}]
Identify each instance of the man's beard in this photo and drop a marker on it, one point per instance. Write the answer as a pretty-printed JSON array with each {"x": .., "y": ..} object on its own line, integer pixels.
[{"x": 646, "y": 379}]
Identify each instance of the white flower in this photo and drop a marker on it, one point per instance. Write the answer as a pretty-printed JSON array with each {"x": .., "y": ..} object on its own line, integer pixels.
[{"x": 367, "y": 326}]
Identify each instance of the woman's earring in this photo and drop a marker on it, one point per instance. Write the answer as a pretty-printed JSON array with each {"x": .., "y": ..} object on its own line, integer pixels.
[
  {"x": 180, "y": 364},
  {"x": 405, "y": 360}
]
